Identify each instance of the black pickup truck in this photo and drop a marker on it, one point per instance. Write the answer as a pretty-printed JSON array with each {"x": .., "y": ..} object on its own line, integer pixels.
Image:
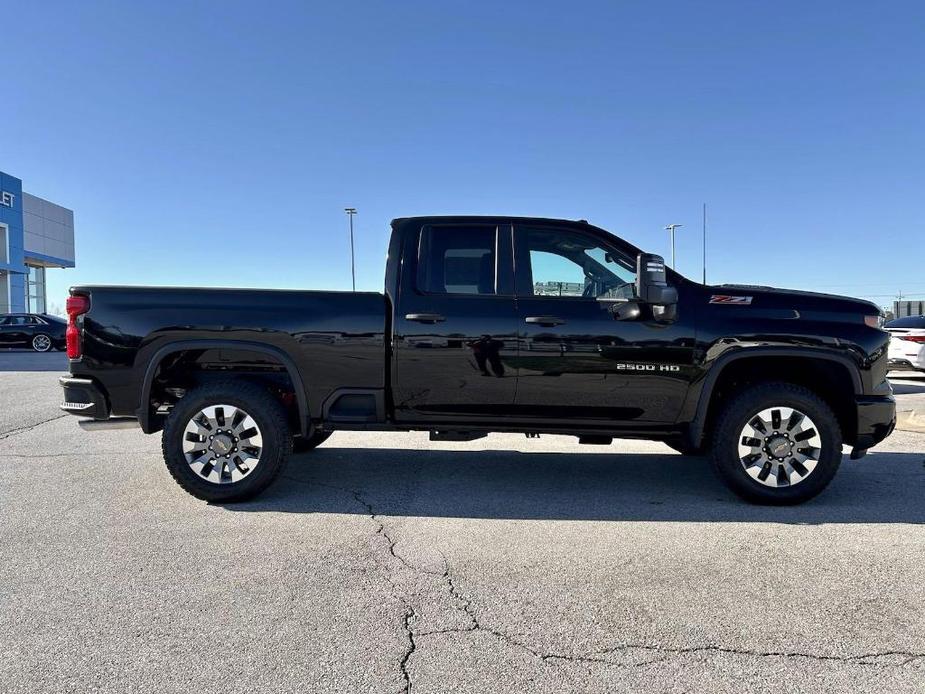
[{"x": 488, "y": 324}]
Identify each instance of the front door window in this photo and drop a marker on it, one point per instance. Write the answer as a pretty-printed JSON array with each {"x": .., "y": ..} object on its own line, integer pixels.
[{"x": 571, "y": 264}]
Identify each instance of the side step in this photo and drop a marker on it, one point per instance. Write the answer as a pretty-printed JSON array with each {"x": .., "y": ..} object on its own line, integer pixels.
[
  {"x": 111, "y": 423},
  {"x": 457, "y": 435},
  {"x": 595, "y": 440}
]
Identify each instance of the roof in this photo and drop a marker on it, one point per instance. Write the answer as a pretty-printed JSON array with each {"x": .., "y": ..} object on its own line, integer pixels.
[{"x": 486, "y": 218}]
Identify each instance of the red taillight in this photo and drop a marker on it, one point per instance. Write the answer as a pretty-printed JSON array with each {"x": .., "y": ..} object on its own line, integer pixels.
[
  {"x": 77, "y": 305},
  {"x": 912, "y": 338}
]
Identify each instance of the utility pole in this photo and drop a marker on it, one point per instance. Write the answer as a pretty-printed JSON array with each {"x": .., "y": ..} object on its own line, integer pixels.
[
  {"x": 670, "y": 228},
  {"x": 353, "y": 273}
]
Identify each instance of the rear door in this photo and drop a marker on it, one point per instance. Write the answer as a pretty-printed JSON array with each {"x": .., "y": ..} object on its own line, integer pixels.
[
  {"x": 455, "y": 326},
  {"x": 576, "y": 361}
]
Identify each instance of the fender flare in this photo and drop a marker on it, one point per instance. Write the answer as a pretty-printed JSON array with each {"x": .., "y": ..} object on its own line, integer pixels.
[
  {"x": 698, "y": 423},
  {"x": 184, "y": 345}
]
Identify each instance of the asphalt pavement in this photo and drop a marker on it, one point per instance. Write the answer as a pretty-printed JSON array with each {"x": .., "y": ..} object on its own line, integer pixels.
[{"x": 385, "y": 562}]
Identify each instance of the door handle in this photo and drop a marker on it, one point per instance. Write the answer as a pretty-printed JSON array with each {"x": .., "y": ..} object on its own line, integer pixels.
[
  {"x": 544, "y": 320},
  {"x": 425, "y": 317}
]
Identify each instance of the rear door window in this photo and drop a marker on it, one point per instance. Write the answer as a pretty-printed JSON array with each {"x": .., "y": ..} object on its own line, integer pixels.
[{"x": 458, "y": 259}]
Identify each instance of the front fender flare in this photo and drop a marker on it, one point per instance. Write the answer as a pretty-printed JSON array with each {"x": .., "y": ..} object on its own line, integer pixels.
[{"x": 699, "y": 398}]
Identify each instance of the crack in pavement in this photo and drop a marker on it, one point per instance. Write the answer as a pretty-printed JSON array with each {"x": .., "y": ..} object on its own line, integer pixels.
[
  {"x": 409, "y": 615},
  {"x": 412, "y": 646},
  {"x": 660, "y": 653},
  {"x": 863, "y": 659},
  {"x": 29, "y": 427}
]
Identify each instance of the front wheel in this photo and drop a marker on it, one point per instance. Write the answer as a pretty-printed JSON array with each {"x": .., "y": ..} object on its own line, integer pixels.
[
  {"x": 777, "y": 443},
  {"x": 226, "y": 441}
]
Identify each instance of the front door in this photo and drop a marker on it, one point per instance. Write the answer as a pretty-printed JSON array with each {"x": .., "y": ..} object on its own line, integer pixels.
[
  {"x": 455, "y": 325},
  {"x": 578, "y": 362}
]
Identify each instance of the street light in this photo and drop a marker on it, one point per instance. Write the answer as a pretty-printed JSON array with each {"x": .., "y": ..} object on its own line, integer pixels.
[
  {"x": 353, "y": 274},
  {"x": 670, "y": 229}
]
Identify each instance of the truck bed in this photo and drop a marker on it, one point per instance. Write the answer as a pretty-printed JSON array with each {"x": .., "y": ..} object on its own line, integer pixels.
[{"x": 334, "y": 340}]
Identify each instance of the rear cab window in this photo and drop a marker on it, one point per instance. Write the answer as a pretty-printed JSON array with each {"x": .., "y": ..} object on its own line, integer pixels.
[{"x": 458, "y": 259}]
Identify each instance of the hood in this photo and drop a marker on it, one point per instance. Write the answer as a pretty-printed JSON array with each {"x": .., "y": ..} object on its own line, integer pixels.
[{"x": 773, "y": 297}]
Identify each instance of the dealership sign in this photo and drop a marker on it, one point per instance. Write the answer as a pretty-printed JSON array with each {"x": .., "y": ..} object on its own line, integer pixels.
[{"x": 6, "y": 198}]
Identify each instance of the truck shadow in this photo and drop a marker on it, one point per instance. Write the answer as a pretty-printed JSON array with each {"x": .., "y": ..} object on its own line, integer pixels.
[{"x": 504, "y": 484}]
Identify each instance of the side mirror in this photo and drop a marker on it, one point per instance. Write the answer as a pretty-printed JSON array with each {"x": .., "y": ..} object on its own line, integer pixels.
[
  {"x": 652, "y": 287},
  {"x": 652, "y": 281}
]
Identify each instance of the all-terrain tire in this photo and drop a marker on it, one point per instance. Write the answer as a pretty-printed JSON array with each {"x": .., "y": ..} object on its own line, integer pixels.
[
  {"x": 266, "y": 412},
  {"x": 743, "y": 408}
]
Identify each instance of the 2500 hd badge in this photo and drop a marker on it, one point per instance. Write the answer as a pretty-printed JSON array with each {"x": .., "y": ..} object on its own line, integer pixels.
[{"x": 647, "y": 367}]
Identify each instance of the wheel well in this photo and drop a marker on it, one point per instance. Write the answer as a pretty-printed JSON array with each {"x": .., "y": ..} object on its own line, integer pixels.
[
  {"x": 180, "y": 371},
  {"x": 829, "y": 379}
]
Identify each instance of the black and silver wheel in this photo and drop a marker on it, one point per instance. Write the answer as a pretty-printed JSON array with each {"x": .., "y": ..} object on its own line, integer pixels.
[
  {"x": 777, "y": 443},
  {"x": 41, "y": 343},
  {"x": 226, "y": 441},
  {"x": 302, "y": 444}
]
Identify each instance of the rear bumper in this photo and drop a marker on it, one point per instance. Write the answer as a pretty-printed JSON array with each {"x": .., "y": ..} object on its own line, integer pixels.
[
  {"x": 82, "y": 397},
  {"x": 876, "y": 420}
]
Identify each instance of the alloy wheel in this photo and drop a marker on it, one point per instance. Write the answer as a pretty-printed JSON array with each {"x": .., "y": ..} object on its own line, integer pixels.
[
  {"x": 779, "y": 446},
  {"x": 41, "y": 343},
  {"x": 222, "y": 444}
]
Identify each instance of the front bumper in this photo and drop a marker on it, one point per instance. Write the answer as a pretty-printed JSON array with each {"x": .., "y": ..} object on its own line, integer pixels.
[
  {"x": 876, "y": 420},
  {"x": 82, "y": 397}
]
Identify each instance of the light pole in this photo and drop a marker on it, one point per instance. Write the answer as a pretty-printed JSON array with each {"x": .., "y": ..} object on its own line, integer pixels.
[
  {"x": 670, "y": 228},
  {"x": 353, "y": 273}
]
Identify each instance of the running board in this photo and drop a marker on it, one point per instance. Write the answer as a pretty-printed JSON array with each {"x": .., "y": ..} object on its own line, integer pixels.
[
  {"x": 457, "y": 435},
  {"x": 595, "y": 440},
  {"x": 111, "y": 423}
]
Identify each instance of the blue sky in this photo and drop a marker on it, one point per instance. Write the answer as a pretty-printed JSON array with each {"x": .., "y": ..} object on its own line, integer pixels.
[{"x": 218, "y": 143}]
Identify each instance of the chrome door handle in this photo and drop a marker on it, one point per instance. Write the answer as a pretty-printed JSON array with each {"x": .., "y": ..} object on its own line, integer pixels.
[
  {"x": 548, "y": 321},
  {"x": 425, "y": 317}
]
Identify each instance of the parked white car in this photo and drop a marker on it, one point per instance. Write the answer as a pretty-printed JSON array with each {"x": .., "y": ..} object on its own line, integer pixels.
[{"x": 907, "y": 343}]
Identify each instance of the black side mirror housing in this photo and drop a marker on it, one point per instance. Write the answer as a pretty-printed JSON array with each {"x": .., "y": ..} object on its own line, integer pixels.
[
  {"x": 652, "y": 285},
  {"x": 652, "y": 281}
]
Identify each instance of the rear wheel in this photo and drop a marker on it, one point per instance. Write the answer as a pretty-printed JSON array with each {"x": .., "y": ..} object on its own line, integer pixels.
[
  {"x": 777, "y": 443},
  {"x": 226, "y": 441},
  {"x": 41, "y": 343},
  {"x": 301, "y": 444}
]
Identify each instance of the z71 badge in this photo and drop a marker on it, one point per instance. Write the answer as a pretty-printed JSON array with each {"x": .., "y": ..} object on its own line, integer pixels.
[{"x": 730, "y": 299}]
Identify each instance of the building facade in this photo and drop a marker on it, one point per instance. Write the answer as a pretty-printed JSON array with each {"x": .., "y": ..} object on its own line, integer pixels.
[
  {"x": 35, "y": 235},
  {"x": 901, "y": 309}
]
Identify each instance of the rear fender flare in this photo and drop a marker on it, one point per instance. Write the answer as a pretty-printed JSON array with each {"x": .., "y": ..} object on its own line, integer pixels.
[{"x": 144, "y": 413}]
